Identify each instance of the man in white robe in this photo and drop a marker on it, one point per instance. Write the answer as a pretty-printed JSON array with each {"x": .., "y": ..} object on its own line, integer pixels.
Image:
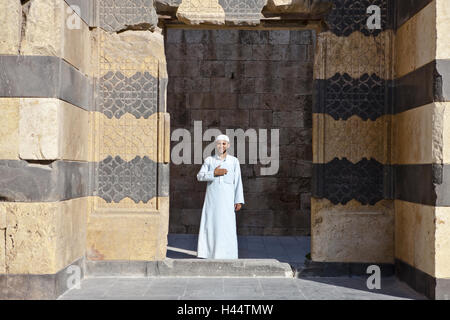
[{"x": 217, "y": 237}]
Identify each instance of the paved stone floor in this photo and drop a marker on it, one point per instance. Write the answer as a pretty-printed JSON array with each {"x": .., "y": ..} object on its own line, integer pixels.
[
  {"x": 238, "y": 289},
  {"x": 284, "y": 249}
]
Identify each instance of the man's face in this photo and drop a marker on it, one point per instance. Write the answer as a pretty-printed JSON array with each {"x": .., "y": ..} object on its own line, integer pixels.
[{"x": 222, "y": 146}]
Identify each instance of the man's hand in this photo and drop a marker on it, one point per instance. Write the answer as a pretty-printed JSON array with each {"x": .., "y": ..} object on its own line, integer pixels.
[
  {"x": 219, "y": 172},
  {"x": 237, "y": 207}
]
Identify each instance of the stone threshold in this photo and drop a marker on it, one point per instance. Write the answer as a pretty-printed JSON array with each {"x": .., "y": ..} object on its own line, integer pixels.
[
  {"x": 190, "y": 268},
  {"x": 340, "y": 269}
]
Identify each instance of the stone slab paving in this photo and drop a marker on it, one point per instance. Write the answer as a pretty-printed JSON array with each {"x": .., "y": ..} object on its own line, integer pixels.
[
  {"x": 172, "y": 288},
  {"x": 285, "y": 249}
]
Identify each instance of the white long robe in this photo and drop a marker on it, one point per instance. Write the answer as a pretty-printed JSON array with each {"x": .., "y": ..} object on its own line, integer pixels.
[{"x": 217, "y": 237}]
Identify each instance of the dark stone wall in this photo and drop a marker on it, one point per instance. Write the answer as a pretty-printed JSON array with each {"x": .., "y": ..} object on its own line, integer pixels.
[{"x": 231, "y": 79}]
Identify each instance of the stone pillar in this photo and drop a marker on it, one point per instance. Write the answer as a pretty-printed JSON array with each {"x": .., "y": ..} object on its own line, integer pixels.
[
  {"x": 421, "y": 146},
  {"x": 83, "y": 143},
  {"x": 352, "y": 214},
  {"x": 130, "y": 140},
  {"x": 45, "y": 98}
]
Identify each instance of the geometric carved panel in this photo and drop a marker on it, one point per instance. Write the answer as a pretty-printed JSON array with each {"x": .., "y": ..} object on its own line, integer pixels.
[
  {"x": 135, "y": 179},
  {"x": 136, "y": 94},
  {"x": 340, "y": 181},
  {"x": 127, "y": 137},
  {"x": 243, "y": 10},
  {"x": 355, "y": 55},
  {"x": 343, "y": 96},
  {"x": 116, "y": 15},
  {"x": 353, "y": 139},
  {"x": 126, "y": 125},
  {"x": 349, "y": 16}
]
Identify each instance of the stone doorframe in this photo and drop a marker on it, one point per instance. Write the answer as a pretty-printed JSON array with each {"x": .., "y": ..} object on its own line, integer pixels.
[
  {"x": 352, "y": 198},
  {"x": 82, "y": 98}
]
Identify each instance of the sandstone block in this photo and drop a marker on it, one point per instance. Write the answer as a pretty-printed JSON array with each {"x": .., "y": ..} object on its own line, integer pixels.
[
  {"x": 352, "y": 233},
  {"x": 200, "y": 12},
  {"x": 43, "y": 238},
  {"x": 10, "y": 34},
  {"x": 9, "y": 128},
  {"x": 51, "y": 129}
]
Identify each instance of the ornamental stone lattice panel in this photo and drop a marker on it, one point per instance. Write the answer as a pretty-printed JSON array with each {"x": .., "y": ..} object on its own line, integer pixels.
[
  {"x": 343, "y": 96},
  {"x": 135, "y": 95},
  {"x": 127, "y": 133},
  {"x": 127, "y": 128},
  {"x": 129, "y": 213},
  {"x": 348, "y": 16},
  {"x": 116, "y": 15},
  {"x": 353, "y": 102},
  {"x": 353, "y": 86},
  {"x": 242, "y": 10}
]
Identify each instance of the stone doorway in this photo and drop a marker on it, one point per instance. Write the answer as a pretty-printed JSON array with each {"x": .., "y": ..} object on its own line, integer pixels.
[{"x": 244, "y": 79}]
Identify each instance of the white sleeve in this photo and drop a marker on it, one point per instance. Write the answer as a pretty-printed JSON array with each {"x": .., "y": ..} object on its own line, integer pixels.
[
  {"x": 238, "y": 189},
  {"x": 205, "y": 174}
]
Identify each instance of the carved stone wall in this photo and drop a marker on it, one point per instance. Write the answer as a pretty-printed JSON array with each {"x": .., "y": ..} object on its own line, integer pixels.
[
  {"x": 129, "y": 217},
  {"x": 352, "y": 136}
]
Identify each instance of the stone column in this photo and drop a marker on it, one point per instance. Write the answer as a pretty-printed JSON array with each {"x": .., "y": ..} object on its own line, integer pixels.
[
  {"x": 129, "y": 215},
  {"x": 421, "y": 146},
  {"x": 45, "y": 98},
  {"x": 352, "y": 214}
]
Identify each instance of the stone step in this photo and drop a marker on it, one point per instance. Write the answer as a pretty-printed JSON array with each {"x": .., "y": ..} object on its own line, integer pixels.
[{"x": 267, "y": 268}]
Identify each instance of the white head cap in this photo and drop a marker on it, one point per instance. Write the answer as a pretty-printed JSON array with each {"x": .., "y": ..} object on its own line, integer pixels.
[{"x": 223, "y": 137}]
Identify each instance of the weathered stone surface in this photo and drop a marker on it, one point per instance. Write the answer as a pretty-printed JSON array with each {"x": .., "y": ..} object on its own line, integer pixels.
[
  {"x": 52, "y": 129},
  {"x": 46, "y": 77},
  {"x": 9, "y": 128},
  {"x": 243, "y": 12},
  {"x": 427, "y": 84},
  {"x": 353, "y": 139},
  {"x": 77, "y": 44},
  {"x": 53, "y": 29},
  {"x": 38, "y": 286},
  {"x": 443, "y": 26},
  {"x": 352, "y": 233},
  {"x": 415, "y": 42},
  {"x": 421, "y": 135},
  {"x": 423, "y": 38},
  {"x": 354, "y": 55},
  {"x": 45, "y": 182},
  {"x": 348, "y": 16},
  {"x": 10, "y": 34},
  {"x": 118, "y": 179},
  {"x": 219, "y": 268},
  {"x": 201, "y": 12},
  {"x": 169, "y": 6},
  {"x": 44, "y": 28},
  {"x": 415, "y": 228},
  {"x": 3, "y": 246},
  {"x": 86, "y": 10},
  {"x": 310, "y": 7},
  {"x": 442, "y": 242},
  {"x": 128, "y": 52},
  {"x": 368, "y": 96},
  {"x": 118, "y": 16},
  {"x": 340, "y": 181},
  {"x": 131, "y": 236},
  {"x": 116, "y": 268},
  {"x": 43, "y": 238},
  {"x": 126, "y": 137}
]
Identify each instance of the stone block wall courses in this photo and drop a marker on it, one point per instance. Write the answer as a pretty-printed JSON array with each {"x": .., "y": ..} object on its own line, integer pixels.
[{"x": 231, "y": 79}]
